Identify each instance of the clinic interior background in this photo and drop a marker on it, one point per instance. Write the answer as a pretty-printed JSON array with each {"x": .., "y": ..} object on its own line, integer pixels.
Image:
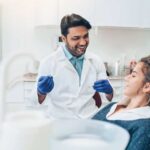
[{"x": 18, "y": 33}]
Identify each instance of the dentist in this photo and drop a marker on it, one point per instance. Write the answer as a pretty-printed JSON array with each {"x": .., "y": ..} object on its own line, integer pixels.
[{"x": 71, "y": 79}]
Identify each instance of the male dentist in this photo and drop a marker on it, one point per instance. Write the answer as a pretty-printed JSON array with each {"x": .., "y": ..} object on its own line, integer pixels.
[{"x": 72, "y": 79}]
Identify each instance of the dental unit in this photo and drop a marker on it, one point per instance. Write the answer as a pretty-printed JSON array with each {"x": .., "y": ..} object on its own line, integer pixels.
[{"x": 31, "y": 130}]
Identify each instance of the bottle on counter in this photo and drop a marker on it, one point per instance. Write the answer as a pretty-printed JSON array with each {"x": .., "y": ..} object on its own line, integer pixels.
[
  {"x": 117, "y": 68},
  {"x": 107, "y": 68}
]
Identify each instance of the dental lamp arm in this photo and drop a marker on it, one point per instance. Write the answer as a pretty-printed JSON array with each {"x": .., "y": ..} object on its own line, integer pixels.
[{"x": 5, "y": 65}]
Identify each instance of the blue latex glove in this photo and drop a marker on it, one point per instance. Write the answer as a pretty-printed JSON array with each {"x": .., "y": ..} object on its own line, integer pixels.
[
  {"x": 45, "y": 84},
  {"x": 103, "y": 86}
]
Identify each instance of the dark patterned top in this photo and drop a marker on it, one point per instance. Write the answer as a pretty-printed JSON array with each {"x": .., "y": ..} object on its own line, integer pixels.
[{"x": 139, "y": 129}]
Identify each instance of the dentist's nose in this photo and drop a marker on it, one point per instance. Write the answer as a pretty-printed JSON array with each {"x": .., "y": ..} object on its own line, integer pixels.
[{"x": 83, "y": 42}]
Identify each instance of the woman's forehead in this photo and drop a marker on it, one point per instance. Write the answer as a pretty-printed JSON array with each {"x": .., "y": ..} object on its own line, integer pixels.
[{"x": 139, "y": 66}]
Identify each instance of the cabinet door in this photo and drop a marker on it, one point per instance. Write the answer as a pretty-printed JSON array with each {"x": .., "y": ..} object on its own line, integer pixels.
[
  {"x": 122, "y": 13},
  {"x": 145, "y": 13},
  {"x": 46, "y": 12},
  {"x": 15, "y": 94},
  {"x": 28, "y": 89},
  {"x": 85, "y": 8},
  {"x": 0, "y": 32}
]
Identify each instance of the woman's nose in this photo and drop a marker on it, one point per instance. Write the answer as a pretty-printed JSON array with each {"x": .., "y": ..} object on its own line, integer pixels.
[{"x": 127, "y": 77}]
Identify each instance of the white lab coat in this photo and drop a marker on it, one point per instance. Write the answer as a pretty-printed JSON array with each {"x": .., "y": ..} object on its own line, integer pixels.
[{"x": 71, "y": 96}]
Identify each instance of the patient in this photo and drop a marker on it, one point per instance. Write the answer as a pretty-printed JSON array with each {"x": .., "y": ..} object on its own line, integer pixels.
[{"x": 134, "y": 115}]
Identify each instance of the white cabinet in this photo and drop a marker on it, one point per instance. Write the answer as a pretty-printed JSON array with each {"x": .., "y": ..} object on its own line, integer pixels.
[
  {"x": 0, "y": 31},
  {"x": 46, "y": 12},
  {"x": 15, "y": 93},
  {"x": 118, "y": 86},
  {"x": 145, "y": 13},
  {"x": 50, "y": 12},
  {"x": 21, "y": 91},
  {"x": 114, "y": 13},
  {"x": 85, "y": 8},
  {"x": 28, "y": 89},
  {"x": 19, "y": 96},
  {"x": 123, "y": 13},
  {"x": 119, "y": 13}
]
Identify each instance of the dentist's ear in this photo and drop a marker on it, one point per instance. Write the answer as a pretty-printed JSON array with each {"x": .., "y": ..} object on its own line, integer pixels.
[
  {"x": 146, "y": 88},
  {"x": 63, "y": 38}
]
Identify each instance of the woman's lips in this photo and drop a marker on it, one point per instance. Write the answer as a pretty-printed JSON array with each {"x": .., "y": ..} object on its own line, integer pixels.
[{"x": 126, "y": 86}]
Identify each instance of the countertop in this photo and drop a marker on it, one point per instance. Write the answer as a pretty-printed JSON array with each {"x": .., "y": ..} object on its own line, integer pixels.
[
  {"x": 116, "y": 77},
  {"x": 31, "y": 77}
]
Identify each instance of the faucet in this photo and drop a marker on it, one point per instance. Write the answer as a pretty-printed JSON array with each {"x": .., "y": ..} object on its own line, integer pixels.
[{"x": 5, "y": 64}]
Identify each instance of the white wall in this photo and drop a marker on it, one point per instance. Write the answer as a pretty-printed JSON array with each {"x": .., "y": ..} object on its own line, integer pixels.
[
  {"x": 116, "y": 43},
  {"x": 0, "y": 31},
  {"x": 20, "y": 34}
]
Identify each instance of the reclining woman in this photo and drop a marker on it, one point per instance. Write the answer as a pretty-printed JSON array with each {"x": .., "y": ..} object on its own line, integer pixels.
[{"x": 134, "y": 115}]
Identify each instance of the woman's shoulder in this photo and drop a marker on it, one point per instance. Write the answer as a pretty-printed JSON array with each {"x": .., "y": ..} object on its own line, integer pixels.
[
  {"x": 140, "y": 134},
  {"x": 145, "y": 121},
  {"x": 101, "y": 115},
  {"x": 142, "y": 123}
]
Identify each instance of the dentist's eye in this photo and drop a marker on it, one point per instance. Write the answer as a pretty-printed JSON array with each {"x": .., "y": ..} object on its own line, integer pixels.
[{"x": 75, "y": 38}]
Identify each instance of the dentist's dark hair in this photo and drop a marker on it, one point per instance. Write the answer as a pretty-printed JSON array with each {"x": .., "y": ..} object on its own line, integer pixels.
[{"x": 73, "y": 20}]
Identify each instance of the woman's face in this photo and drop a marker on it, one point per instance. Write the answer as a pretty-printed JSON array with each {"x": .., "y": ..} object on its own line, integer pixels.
[{"x": 134, "y": 82}]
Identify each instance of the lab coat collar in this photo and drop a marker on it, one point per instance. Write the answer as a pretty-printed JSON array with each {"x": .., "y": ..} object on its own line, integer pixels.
[
  {"x": 86, "y": 66},
  {"x": 61, "y": 57},
  {"x": 85, "y": 70},
  {"x": 61, "y": 54},
  {"x": 140, "y": 112}
]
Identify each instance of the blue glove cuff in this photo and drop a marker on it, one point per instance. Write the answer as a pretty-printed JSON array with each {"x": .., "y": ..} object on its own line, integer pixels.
[{"x": 41, "y": 93}]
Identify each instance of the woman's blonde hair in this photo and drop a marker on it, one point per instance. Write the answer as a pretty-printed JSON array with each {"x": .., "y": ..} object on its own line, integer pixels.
[
  {"x": 146, "y": 67},
  {"x": 146, "y": 71}
]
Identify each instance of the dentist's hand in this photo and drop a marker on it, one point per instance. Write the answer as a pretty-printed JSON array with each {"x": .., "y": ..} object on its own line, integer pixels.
[
  {"x": 45, "y": 84},
  {"x": 103, "y": 86}
]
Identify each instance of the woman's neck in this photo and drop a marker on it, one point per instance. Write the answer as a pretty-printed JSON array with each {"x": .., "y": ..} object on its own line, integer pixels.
[{"x": 137, "y": 101}]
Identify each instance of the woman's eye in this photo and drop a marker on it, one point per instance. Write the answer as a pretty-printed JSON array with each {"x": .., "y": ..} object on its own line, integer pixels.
[{"x": 133, "y": 75}]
